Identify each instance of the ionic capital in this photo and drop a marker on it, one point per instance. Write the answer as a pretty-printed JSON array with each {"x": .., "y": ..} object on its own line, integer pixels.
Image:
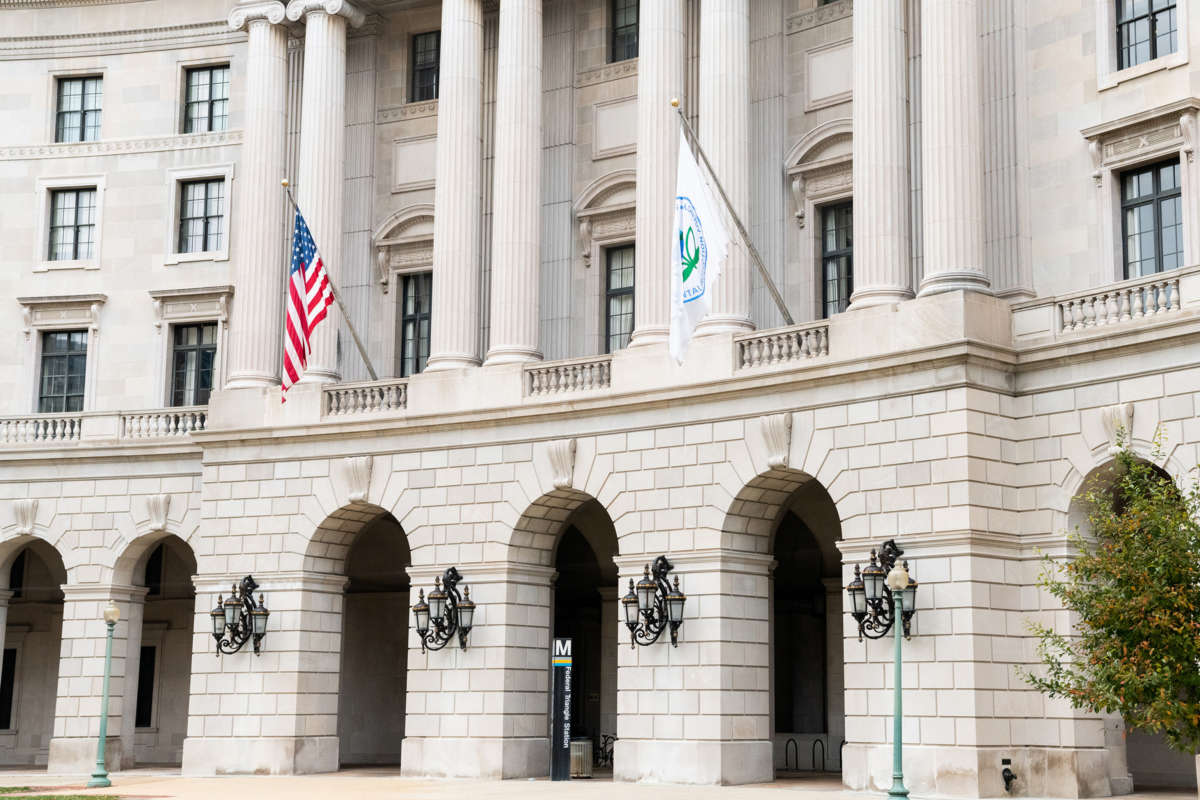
[
  {"x": 272, "y": 11},
  {"x": 354, "y": 16}
]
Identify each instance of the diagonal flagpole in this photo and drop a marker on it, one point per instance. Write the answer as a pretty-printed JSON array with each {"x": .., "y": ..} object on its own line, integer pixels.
[
  {"x": 362, "y": 351},
  {"x": 758, "y": 262}
]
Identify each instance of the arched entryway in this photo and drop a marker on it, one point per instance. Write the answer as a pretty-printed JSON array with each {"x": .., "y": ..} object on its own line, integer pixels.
[
  {"x": 585, "y": 610},
  {"x": 34, "y": 573},
  {"x": 1137, "y": 760}
]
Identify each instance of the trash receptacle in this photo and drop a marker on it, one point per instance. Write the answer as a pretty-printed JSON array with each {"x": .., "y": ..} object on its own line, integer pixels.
[{"x": 581, "y": 758}]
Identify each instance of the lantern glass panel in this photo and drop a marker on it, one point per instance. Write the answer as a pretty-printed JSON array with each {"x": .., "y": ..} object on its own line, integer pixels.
[
  {"x": 260, "y": 622},
  {"x": 630, "y": 604},
  {"x": 422, "y": 615},
  {"x": 437, "y": 605},
  {"x": 645, "y": 594},
  {"x": 466, "y": 615},
  {"x": 675, "y": 607},
  {"x": 218, "y": 621},
  {"x": 873, "y": 579},
  {"x": 910, "y": 596},
  {"x": 232, "y": 611},
  {"x": 858, "y": 599}
]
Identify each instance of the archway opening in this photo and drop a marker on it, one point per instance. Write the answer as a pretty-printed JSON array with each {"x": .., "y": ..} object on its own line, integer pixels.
[
  {"x": 31, "y": 650},
  {"x": 808, "y": 709},
  {"x": 159, "y": 659},
  {"x": 585, "y": 610},
  {"x": 374, "y": 661},
  {"x": 1138, "y": 760}
]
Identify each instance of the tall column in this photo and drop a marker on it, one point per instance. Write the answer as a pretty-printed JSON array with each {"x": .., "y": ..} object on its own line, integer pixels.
[
  {"x": 660, "y": 78},
  {"x": 323, "y": 153},
  {"x": 517, "y": 181},
  {"x": 457, "y": 205},
  {"x": 256, "y": 343},
  {"x": 882, "y": 191},
  {"x": 951, "y": 148},
  {"x": 725, "y": 135}
]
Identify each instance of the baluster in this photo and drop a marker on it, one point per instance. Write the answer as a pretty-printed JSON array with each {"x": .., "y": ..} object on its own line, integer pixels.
[
  {"x": 1138, "y": 303},
  {"x": 1160, "y": 297},
  {"x": 1123, "y": 309},
  {"x": 1174, "y": 286},
  {"x": 1089, "y": 312},
  {"x": 743, "y": 354}
]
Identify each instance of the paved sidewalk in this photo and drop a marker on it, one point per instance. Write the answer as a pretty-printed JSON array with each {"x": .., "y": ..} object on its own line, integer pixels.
[{"x": 385, "y": 784}]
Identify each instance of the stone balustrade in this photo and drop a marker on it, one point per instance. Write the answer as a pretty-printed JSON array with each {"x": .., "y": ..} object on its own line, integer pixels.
[
  {"x": 38, "y": 428},
  {"x": 562, "y": 377},
  {"x": 163, "y": 423},
  {"x": 782, "y": 345},
  {"x": 368, "y": 397},
  {"x": 1131, "y": 302}
]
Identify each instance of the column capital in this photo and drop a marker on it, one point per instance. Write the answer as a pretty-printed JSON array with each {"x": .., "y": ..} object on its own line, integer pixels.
[
  {"x": 247, "y": 11},
  {"x": 354, "y": 16}
]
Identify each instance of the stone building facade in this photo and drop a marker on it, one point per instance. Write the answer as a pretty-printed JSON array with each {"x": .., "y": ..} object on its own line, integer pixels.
[{"x": 982, "y": 216}]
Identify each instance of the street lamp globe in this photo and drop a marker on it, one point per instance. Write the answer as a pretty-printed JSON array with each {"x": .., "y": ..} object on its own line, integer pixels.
[
  {"x": 112, "y": 614},
  {"x": 897, "y": 579}
]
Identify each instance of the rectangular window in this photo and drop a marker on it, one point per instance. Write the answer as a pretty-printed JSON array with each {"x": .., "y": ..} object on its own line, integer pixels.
[
  {"x": 1146, "y": 29},
  {"x": 624, "y": 29},
  {"x": 8, "y": 683},
  {"x": 78, "y": 116},
  {"x": 202, "y": 216},
  {"x": 618, "y": 297},
  {"x": 837, "y": 258},
  {"x": 206, "y": 100},
  {"x": 426, "y": 50},
  {"x": 1152, "y": 216},
  {"x": 193, "y": 354},
  {"x": 72, "y": 224},
  {"x": 416, "y": 297},
  {"x": 64, "y": 365},
  {"x": 144, "y": 716}
]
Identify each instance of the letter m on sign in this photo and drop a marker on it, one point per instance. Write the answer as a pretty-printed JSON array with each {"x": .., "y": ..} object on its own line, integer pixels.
[{"x": 562, "y": 647}]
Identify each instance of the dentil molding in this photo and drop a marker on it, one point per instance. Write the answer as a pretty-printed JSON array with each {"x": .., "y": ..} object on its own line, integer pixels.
[
  {"x": 152, "y": 144},
  {"x": 821, "y": 15},
  {"x": 609, "y": 72}
]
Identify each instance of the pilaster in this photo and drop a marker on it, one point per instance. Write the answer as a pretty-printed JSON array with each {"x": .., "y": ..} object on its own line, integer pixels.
[
  {"x": 725, "y": 135},
  {"x": 882, "y": 192},
  {"x": 660, "y": 79},
  {"x": 255, "y": 345},
  {"x": 517, "y": 207},
  {"x": 457, "y": 256}
]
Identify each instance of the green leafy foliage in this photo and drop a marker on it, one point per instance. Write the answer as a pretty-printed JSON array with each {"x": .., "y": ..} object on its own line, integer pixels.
[{"x": 1134, "y": 588}]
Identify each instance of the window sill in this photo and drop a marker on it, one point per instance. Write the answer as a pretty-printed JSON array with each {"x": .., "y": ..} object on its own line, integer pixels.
[
  {"x": 82, "y": 263},
  {"x": 151, "y": 729},
  {"x": 190, "y": 258},
  {"x": 1168, "y": 62}
]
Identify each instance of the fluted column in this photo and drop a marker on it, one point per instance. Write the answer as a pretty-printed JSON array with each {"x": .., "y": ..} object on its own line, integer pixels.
[
  {"x": 660, "y": 78},
  {"x": 517, "y": 198},
  {"x": 951, "y": 148},
  {"x": 323, "y": 153},
  {"x": 454, "y": 338},
  {"x": 725, "y": 136},
  {"x": 259, "y": 254},
  {"x": 882, "y": 191}
]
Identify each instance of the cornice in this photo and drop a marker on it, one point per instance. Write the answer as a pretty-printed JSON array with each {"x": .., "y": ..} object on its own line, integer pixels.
[
  {"x": 8, "y": 5},
  {"x": 407, "y": 111},
  {"x": 152, "y": 144},
  {"x": 123, "y": 41},
  {"x": 297, "y": 9},
  {"x": 608, "y": 72},
  {"x": 273, "y": 11},
  {"x": 821, "y": 15}
]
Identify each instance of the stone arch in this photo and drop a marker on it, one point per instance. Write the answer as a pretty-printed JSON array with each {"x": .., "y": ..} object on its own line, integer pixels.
[
  {"x": 403, "y": 242},
  {"x": 535, "y": 535},
  {"x": 1084, "y": 464},
  {"x": 330, "y": 542},
  {"x": 605, "y": 212},
  {"x": 818, "y": 167}
]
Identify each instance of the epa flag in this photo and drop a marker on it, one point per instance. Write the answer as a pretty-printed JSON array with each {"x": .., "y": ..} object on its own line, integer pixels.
[{"x": 699, "y": 250}]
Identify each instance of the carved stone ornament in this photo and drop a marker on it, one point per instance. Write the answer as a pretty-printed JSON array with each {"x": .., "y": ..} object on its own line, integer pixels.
[
  {"x": 561, "y": 455},
  {"x": 1118, "y": 423},
  {"x": 354, "y": 16},
  {"x": 272, "y": 12},
  {"x": 777, "y": 436},
  {"x": 157, "y": 506},
  {"x": 25, "y": 514},
  {"x": 356, "y": 474}
]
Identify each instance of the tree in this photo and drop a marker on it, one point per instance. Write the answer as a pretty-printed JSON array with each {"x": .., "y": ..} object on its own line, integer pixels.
[{"x": 1134, "y": 587}]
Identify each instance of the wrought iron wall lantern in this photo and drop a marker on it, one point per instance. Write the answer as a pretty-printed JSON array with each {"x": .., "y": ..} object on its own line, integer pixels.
[
  {"x": 448, "y": 611},
  {"x": 653, "y": 605},
  {"x": 872, "y": 603},
  {"x": 238, "y": 619}
]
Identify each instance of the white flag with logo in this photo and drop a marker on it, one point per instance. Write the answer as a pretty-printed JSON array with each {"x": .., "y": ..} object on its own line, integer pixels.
[{"x": 700, "y": 245}]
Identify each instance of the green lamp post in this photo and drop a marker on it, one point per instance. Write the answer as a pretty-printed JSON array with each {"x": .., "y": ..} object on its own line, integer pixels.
[
  {"x": 100, "y": 777},
  {"x": 897, "y": 581}
]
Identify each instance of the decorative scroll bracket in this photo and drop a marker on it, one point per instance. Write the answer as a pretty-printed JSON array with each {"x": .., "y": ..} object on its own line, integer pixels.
[
  {"x": 25, "y": 514},
  {"x": 1118, "y": 424}
]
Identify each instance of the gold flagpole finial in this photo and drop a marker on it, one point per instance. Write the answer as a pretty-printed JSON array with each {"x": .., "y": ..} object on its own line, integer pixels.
[
  {"x": 284, "y": 183},
  {"x": 674, "y": 102}
]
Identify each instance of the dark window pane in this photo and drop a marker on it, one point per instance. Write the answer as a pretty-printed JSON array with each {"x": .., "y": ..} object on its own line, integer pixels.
[
  {"x": 1146, "y": 30},
  {"x": 426, "y": 55},
  {"x": 194, "y": 354},
  {"x": 624, "y": 18},
  {"x": 144, "y": 716},
  {"x": 415, "y": 320},
  {"x": 8, "y": 681},
  {"x": 837, "y": 254},
  {"x": 63, "y": 371},
  {"x": 620, "y": 264},
  {"x": 1152, "y": 227},
  {"x": 206, "y": 101}
]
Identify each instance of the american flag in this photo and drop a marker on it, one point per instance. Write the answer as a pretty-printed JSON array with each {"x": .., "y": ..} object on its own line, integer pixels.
[{"x": 309, "y": 295}]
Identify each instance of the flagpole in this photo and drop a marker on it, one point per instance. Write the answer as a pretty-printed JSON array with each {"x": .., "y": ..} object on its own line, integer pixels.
[
  {"x": 362, "y": 351},
  {"x": 762, "y": 270}
]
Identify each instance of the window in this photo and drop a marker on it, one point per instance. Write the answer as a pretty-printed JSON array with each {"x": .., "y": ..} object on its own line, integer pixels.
[
  {"x": 64, "y": 364},
  {"x": 8, "y": 682},
  {"x": 206, "y": 104},
  {"x": 78, "y": 116},
  {"x": 72, "y": 224},
  {"x": 624, "y": 29},
  {"x": 1151, "y": 208},
  {"x": 414, "y": 322},
  {"x": 426, "y": 48},
  {"x": 201, "y": 216},
  {"x": 1146, "y": 29},
  {"x": 193, "y": 354},
  {"x": 144, "y": 714},
  {"x": 837, "y": 258},
  {"x": 618, "y": 297}
]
